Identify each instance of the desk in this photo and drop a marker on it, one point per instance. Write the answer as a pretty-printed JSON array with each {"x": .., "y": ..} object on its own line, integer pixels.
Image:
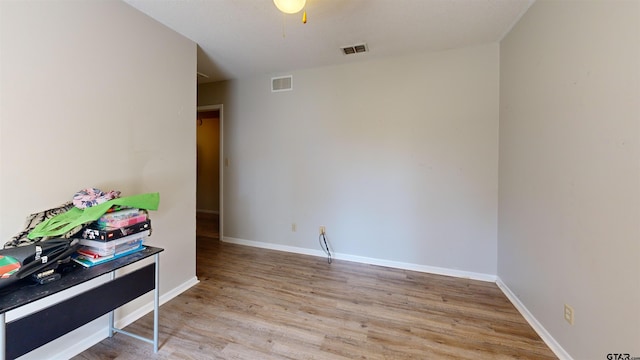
[{"x": 25, "y": 334}]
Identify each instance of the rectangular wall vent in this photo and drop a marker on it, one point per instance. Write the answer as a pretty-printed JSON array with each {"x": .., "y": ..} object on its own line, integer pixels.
[
  {"x": 354, "y": 49},
  {"x": 282, "y": 83}
]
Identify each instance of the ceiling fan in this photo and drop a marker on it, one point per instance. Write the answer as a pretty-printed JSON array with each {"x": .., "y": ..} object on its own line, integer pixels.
[{"x": 292, "y": 7}]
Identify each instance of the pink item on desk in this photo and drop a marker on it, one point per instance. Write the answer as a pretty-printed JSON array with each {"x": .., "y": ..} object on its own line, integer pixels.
[{"x": 92, "y": 196}]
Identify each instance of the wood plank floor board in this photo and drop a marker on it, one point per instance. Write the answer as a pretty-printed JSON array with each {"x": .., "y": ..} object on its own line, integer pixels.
[{"x": 262, "y": 304}]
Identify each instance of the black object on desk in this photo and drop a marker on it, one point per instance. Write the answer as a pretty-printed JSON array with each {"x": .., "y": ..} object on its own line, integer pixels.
[{"x": 23, "y": 335}]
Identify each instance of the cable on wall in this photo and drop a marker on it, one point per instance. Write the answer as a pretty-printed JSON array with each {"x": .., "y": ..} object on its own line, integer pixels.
[{"x": 322, "y": 239}]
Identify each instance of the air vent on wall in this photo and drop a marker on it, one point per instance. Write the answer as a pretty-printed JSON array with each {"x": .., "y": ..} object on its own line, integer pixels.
[
  {"x": 282, "y": 83},
  {"x": 354, "y": 49}
]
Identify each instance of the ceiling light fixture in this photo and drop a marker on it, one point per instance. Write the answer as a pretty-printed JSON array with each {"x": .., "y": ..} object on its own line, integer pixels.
[{"x": 290, "y": 6}]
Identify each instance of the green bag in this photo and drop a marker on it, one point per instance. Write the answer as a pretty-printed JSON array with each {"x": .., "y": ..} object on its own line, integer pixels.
[{"x": 67, "y": 221}]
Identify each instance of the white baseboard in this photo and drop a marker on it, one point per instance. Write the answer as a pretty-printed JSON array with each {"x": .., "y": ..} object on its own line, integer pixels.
[
  {"x": 148, "y": 307},
  {"x": 421, "y": 268},
  {"x": 535, "y": 324},
  {"x": 89, "y": 340},
  {"x": 367, "y": 260},
  {"x": 208, "y": 211},
  {"x": 270, "y": 246}
]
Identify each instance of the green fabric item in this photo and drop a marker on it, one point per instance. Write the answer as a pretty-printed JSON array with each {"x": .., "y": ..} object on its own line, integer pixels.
[{"x": 64, "y": 222}]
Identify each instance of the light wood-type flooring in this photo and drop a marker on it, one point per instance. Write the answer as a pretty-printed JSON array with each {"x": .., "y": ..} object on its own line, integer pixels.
[
  {"x": 207, "y": 225},
  {"x": 258, "y": 304}
]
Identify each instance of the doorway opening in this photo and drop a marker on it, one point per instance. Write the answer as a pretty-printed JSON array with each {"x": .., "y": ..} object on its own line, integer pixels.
[{"x": 209, "y": 185}]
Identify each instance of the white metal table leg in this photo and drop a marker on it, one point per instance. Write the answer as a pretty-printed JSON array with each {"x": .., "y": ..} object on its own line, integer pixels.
[
  {"x": 3, "y": 336},
  {"x": 156, "y": 300},
  {"x": 112, "y": 276}
]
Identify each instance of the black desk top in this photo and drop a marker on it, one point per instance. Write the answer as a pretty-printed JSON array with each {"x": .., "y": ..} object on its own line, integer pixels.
[{"x": 26, "y": 291}]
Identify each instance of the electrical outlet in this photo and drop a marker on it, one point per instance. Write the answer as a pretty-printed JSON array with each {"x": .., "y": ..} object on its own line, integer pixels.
[
  {"x": 323, "y": 230},
  {"x": 294, "y": 227},
  {"x": 568, "y": 314}
]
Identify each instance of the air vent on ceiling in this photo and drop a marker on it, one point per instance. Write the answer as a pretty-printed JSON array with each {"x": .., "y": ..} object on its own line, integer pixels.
[
  {"x": 354, "y": 49},
  {"x": 282, "y": 83}
]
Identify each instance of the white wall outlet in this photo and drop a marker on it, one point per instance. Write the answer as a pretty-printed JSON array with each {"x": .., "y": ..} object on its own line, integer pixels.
[
  {"x": 323, "y": 230},
  {"x": 294, "y": 227},
  {"x": 568, "y": 314}
]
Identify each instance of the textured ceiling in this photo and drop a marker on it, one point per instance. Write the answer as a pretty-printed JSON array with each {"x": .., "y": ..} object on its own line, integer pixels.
[{"x": 238, "y": 38}]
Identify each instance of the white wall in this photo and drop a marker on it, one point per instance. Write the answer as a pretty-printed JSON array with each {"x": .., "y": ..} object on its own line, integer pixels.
[
  {"x": 94, "y": 93},
  {"x": 396, "y": 157},
  {"x": 569, "y": 208}
]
